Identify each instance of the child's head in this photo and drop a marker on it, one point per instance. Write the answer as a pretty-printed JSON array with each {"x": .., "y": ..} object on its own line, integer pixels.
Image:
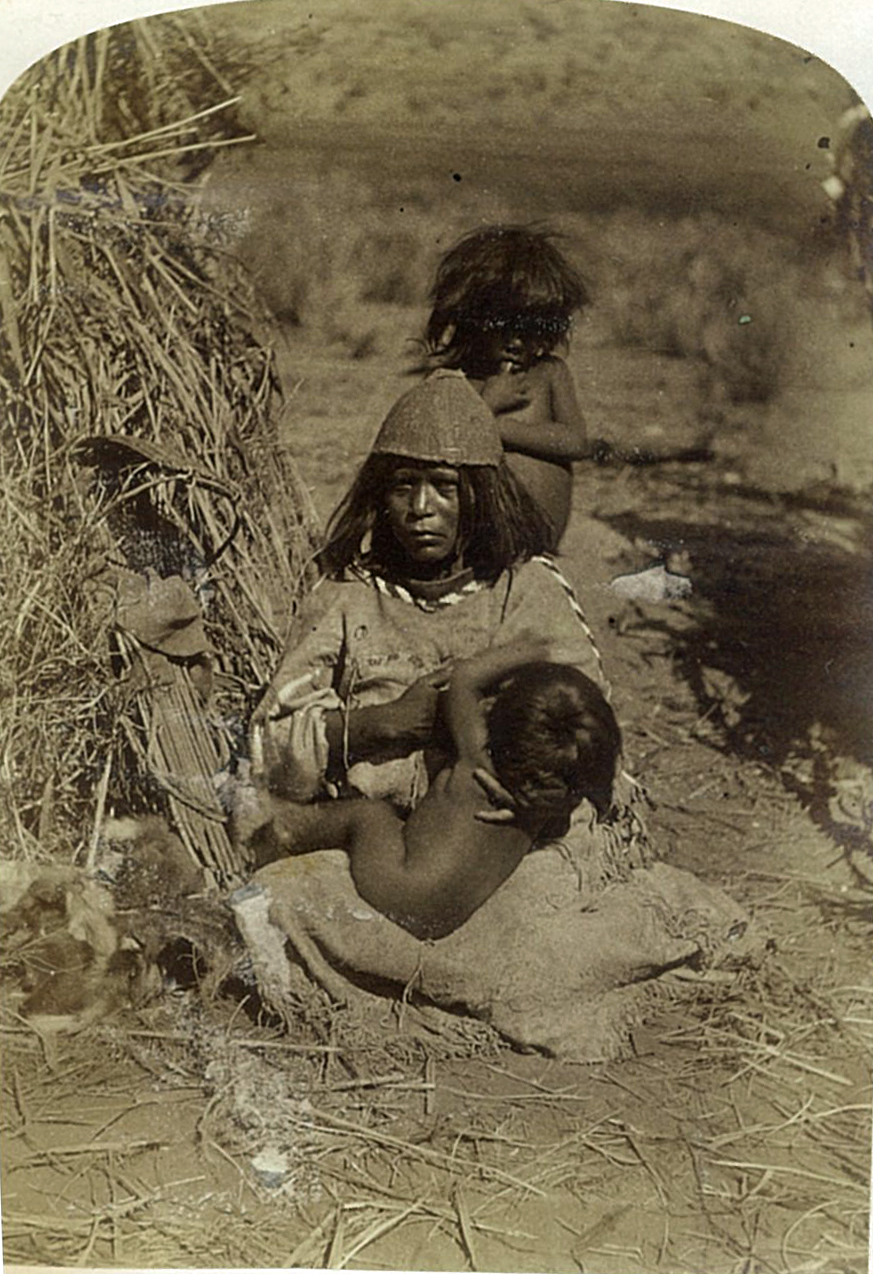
[
  {"x": 504, "y": 292},
  {"x": 554, "y": 740}
]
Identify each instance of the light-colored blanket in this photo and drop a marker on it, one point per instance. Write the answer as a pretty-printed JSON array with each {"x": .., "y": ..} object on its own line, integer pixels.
[{"x": 549, "y": 962}]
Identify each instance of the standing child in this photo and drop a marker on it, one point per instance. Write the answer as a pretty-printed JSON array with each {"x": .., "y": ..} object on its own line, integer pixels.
[
  {"x": 550, "y": 737},
  {"x": 503, "y": 301}
]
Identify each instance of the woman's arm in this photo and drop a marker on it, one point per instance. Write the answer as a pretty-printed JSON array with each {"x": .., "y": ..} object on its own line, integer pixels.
[
  {"x": 385, "y": 730},
  {"x": 302, "y": 737}
]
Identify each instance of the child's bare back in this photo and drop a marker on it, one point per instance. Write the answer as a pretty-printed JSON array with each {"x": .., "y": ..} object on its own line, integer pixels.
[
  {"x": 428, "y": 874},
  {"x": 552, "y": 741},
  {"x": 465, "y": 860}
]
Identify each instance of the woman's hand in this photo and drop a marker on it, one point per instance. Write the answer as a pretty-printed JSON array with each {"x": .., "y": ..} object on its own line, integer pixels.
[
  {"x": 411, "y": 717},
  {"x": 386, "y": 731}
]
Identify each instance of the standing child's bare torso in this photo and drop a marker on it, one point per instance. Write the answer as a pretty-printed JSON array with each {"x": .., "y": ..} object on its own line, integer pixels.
[{"x": 548, "y": 481}]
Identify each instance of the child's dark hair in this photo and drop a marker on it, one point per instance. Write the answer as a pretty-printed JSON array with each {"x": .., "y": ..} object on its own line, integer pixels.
[
  {"x": 499, "y": 525},
  {"x": 554, "y": 740},
  {"x": 501, "y": 278}
]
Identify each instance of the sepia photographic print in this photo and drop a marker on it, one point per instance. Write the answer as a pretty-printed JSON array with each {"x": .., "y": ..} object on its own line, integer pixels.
[{"x": 436, "y": 643}]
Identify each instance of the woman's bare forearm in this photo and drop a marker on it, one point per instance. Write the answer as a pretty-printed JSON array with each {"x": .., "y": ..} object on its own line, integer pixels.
[
  {"x": 358, "y": 735},
  {"x": 385, "y": 731}
]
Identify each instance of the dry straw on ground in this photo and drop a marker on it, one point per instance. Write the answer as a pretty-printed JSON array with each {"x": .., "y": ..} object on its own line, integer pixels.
[{"x": 354, "y": 1151}]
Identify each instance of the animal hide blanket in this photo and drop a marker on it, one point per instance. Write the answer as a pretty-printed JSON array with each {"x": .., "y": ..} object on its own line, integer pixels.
[{"x": 551, "y": 964}]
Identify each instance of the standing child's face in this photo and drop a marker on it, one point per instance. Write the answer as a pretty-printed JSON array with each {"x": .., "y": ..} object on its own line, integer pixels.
[
  {"x": 517, "y": 350},
  {"x": 423, "y": 507}
]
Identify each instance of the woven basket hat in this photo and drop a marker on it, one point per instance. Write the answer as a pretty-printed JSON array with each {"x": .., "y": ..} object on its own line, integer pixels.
[{"x": 443, "y": 420}]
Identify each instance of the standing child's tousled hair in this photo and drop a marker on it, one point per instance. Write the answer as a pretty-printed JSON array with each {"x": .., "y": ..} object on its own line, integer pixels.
[{"x": 501, "y": 278}]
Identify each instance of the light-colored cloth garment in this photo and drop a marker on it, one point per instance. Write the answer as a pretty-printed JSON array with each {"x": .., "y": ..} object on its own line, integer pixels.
[
  {"x": 549, "y": 961},
  {"x": 362, "y": 641}
]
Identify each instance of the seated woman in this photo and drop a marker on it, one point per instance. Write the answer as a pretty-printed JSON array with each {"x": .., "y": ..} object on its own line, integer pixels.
[
  {"x": 552, "y": 739},
  {"x": 433, "y": 560},
  {"x": 432, "y": 557}
]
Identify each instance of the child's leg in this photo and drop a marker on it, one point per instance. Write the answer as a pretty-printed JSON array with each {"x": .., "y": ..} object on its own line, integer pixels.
[
  {"x": 345, "y": 824},
  {"x": 374, "y": 838},
  {"x": 415, "y": 874}
]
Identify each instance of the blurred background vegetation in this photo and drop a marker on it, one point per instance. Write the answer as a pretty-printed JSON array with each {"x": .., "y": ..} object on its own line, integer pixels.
[{"x": 681, "y": 157}]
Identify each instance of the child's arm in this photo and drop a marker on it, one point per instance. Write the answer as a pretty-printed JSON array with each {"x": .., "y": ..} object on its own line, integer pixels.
[
  {"x": 471, "y": 678},
  {"x": 555, "y": 429},
  {"x": 538, "y": 414}
]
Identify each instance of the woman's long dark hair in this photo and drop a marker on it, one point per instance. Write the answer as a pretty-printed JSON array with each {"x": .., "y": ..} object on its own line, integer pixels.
[
  {"x": 499, "y": 523},
  {"x": 500, "y": 278}
]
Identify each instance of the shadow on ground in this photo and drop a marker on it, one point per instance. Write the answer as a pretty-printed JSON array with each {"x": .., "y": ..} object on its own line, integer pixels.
[{"x": 777, "y": 644}]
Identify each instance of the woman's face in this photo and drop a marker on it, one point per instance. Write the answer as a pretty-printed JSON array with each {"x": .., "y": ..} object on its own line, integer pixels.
[{"x": 422, "y": 502}]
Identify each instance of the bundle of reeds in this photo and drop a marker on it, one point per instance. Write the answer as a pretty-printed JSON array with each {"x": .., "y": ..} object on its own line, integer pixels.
[{"x": 123, "y": 317}]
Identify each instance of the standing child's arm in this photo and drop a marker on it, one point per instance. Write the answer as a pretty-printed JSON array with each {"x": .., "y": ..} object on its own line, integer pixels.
[{"x": 538, "y": 412}]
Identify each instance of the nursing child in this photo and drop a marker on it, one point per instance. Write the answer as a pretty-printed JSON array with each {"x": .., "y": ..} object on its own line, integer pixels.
[{"x": 550, "y": 738}]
